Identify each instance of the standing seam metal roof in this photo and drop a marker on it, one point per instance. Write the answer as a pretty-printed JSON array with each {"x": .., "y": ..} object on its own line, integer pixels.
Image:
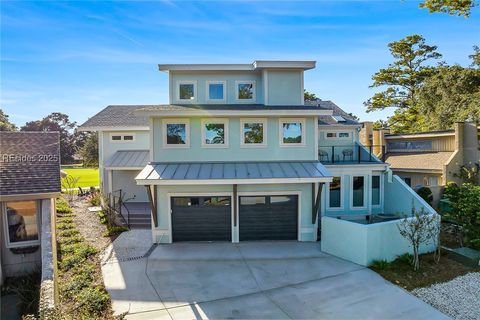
[{"x": 128, "y": 159}]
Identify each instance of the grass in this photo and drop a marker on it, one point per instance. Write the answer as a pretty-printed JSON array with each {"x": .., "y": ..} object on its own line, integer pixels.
[{"x": 88, "y": 177}]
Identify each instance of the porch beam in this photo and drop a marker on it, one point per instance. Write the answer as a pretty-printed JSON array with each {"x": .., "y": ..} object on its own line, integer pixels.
[{"x": 316, "y": 204}]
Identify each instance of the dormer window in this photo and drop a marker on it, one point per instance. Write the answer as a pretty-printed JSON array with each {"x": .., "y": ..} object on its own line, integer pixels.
[
  {"x": 245, "y": 91},
  {"x": 186, "y": 91},
  {"x": 216, "y": 91}
]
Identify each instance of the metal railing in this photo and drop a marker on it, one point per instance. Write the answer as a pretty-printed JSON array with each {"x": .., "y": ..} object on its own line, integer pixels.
[
  {"x": 116, "y": 203},
  {"x": 350, "y": 153}
]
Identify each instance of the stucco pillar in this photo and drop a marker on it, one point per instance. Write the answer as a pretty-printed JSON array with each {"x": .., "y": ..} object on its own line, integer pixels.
[{"x": 365, "y": 132}]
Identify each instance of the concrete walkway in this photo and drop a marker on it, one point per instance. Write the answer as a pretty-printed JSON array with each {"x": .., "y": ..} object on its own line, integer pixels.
[{"x": 267, "y": 280}]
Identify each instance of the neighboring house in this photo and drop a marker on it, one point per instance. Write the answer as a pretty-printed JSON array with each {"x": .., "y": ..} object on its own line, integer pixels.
[
  {"x": 237, "y": 155},
  {"x": 29, "y": 184},
  {"x": 426, "y": 158}
]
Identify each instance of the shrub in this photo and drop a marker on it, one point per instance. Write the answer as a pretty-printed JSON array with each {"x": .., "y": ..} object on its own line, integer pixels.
[
  {"x": 79, "y": 254},
  {"x": 74, "y": 247},
  {"x": 103, "y": 217},
  {"x": 95, "y": 199},
  {"x": 68, "y": 232},
  {"x": 380, "y": 264},
  {"x": 76, "y": 284},
  {"x": 426, "y": 194},
  {"x": 70, "y": 240},
  {"x": 65, "y": 219},
  {"x": 65, "y": 225},
  {"x": 114, "y": 230},
  {"x": 406, "y": 258},
  {"x": 27, "y": 289},
  {"x": 63, "y": 206},
  {"x": 88, "y": 267},
  {"x": 92, "y": 300}
]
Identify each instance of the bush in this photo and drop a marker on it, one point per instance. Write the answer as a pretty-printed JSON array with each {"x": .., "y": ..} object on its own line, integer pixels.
[
  {"x": 426, "y": 194},
  {"x": 103, "y": 217},
  {"x": 79, "y": 254},
  {"x": 95, "y": 199},
  {"x": 74, "y": 247},
  {"x": 93, "y": 300},
  {"x": 114, "y": 231},
  {"x": 27, "y": 289},
  {"x": 65, "y": 225},
  {"x": 63, "y": 206},
  {"x": 70, "y": 240},
  {"x": 65, "y": 219},
  {"x": 380, "y": 264},
  {"x": 68, "y": 232},
  {"x": 76, "y": 284},
  {"x": 406, "y": 258}
]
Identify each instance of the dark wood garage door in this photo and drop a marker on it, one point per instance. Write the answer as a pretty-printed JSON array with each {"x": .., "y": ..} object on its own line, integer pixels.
[
  {"x": 268, "y": 217},
  {"x": 201, "y": 219}
]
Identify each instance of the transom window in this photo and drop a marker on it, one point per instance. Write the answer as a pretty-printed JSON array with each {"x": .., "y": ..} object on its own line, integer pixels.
[
  {"x": 292, "y": 132},
  {"x": 253, "y": 132},
  {"x": 215, "y": 133},
  {"x": 121, "y": 137},
  {"x": 187, "y": 91},
  {"x": 338, "y": 135},
  {"x": 245, "y": 90},
  {"x": 21, "y": 220},
  {"x": 176, "y": 133},
  {"x": 216, "y": 90},
  {"x": 335, "y": 193}
]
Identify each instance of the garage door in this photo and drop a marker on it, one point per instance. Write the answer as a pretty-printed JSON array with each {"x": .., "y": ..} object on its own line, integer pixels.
[
  {"x": 268, "y": 217},
  {"x": 201, "y": 218}
]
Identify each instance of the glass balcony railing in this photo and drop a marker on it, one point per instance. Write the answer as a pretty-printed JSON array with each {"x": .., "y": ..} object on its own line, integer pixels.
[{"x": 351, "y": 153}]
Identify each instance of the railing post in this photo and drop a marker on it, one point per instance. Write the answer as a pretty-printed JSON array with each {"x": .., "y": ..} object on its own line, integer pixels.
[{"x": 333, "y": 154}]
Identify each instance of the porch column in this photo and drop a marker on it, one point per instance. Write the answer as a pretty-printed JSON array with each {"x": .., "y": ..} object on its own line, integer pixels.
[
  {"x": 316, "y": 201},
  {"x": 152, "y": 198}
]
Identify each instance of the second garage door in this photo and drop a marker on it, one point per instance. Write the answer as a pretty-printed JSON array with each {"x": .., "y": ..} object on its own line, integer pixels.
[{"x": 268, "y": 217}]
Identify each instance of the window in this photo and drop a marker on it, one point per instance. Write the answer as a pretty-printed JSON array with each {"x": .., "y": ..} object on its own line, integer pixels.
[
  {"x": 431, "y": 181},
  {"x": 216, "y": 91},
  {"x": 337, "y": 135},
  {"x": 187, "y": 91},
  {"x": 335, "y": 193},
  {"x": 176, "y": 133},
  {"x": 200, "y": 201},
  {"x": 358, "y": 189},
  {"x": 245, "y": 90},
  {"x": 292, "y": 132},
  {"x": 118, "y": 137},
  {"x": 22, "y": 221},
  {"x": 375, "y": 190},
  {"x": 250, "y": 201},
  {"x": 412, "y": 145},
  {"x": 408, "y": 181},
  {"x": 253, "y": 132},
  {"x": 215, "y": 133}
]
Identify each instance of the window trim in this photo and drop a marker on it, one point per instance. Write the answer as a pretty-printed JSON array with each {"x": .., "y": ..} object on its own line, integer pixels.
[
  {"x": 341, "y": 195},
  {"x": 365, "y": 194},
  {"x": 207, "y": 91},
  {"x": 381, "y": 191},
  {"x": 165, "y": 122},
  {"x": 337, "y": 133},
  {"x": 122, "y": 139},
  {"x": 254, "y": 88},
  {"x": 281, "y": 121},
  {"x": 21, "y": 244},
  {"x": 243, "y": 121},
  {"x": 225, "y": 122},
  {"x": 177, "y": 89}
]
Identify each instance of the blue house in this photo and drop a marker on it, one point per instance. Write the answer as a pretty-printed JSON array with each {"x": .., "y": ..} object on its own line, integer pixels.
[{"x": 238, "y": 155}]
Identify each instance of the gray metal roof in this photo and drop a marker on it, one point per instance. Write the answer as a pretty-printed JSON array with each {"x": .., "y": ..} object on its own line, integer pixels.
[
  {"x": 234, "y": 172},
  {"x": 128, "y": 159},
  {"x": 29, "y": 163},
  {"x": 337, "y": 111}
]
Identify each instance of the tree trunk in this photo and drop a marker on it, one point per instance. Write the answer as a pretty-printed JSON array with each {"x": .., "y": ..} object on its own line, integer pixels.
[{"x": 416, "y": 262}]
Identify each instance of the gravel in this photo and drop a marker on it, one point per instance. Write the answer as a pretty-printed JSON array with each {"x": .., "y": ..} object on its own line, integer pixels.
[
  {"x": 458, "y": 298},
  {"x": 133, "y": 244}
]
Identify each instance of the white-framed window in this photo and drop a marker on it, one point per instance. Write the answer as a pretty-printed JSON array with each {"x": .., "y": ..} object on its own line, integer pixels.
[
  {"x": 245, "y": 90},
  {"x": 176, "y": 133},
  {"x": 335, "y": 194},
  {"x": 216, "y": 91},
  {"x": 253, "y": 132},
  {"x": 122, "y": 137},
  {"x": 215, "y": 133},
  {"x": 21, "y": 222},
  {"x": 186, "y": 91},
  {"x": 337, "y": 135},
  {"x": 292, "y": 132},
  {"x": 358, "y": 192},
  {"x": 376, "y": 186}
]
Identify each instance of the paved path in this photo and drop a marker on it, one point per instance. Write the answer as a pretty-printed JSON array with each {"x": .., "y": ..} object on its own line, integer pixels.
[{"x": 268, "y": 280}]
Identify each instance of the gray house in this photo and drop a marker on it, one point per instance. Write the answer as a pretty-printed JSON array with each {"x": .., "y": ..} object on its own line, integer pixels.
[{"x": 29, "y": 184}]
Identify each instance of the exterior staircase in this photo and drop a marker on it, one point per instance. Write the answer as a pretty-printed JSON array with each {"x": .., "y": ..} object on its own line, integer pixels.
[{"x": 137, "y": 214}]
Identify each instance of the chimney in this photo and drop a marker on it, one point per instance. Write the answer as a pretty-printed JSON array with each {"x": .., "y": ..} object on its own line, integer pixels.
[
  {"x": 376, "y": 142},
  {"x": 459, "y": 133},
  {"x": 365, "y": 133}
]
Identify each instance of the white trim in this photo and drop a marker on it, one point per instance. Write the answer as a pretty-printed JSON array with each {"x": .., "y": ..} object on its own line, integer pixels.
[
  {"x": 254, "y": 89},
  {"x": 21, "y": 244},
  {"x": 165, "y": 122},
  {"x": 29, "y": 196},
  {"x": 225, "y": 122},
  {"x": 316, "y": 137},
  {"x": 327, "y": 185},
  {"x": 272, "y": 193},
  {"x": 122, "y": 137},
  {"x": 303, "y": 121},
  {"x": 207, "y": 91},
  {"x": 233, "y": 113},
  {"x": 198, "y": 194},
  {"x": 265, "y": 87},
  {"x": 380, "y": 205},
  {"x": 263, "y": 121},
  {"x": 365, "y": 193},
  {"x": 177, "y": 91},
  {"x": 230, "y": 181},
  {"x": 302, "y": 88},
  {"x": 151, "y": 134}
]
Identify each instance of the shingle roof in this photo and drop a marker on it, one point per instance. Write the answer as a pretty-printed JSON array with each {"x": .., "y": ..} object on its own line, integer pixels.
[
  {"x": 211, "y": 107},
  {"x": 128, "y": 159},
  {"x": 420, "y": 161},
  {"x": 117, "y": 116},
  {"x": 233, "y": 172},
  {"x": 29, "y": 162},
  {"x": 337, "y": 111}
]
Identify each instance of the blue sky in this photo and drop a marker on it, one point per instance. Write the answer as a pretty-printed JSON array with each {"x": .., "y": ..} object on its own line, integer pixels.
[{"x": 78, "y": 57}]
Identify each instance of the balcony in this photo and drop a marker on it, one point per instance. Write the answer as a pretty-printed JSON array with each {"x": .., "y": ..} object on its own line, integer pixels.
[{"x": 349, "y": 154}]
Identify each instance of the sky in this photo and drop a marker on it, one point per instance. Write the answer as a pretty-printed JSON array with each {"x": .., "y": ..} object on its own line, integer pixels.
[{"x": 78, "y": 57}]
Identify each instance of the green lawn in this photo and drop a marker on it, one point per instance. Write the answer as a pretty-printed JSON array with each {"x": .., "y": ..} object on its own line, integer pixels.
[{"x": 89, "y": 177}]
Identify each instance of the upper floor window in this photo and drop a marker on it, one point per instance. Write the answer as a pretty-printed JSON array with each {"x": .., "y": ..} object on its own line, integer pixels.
[
  {"x": 121, "y": 137},
  {"x": 245, "y": 90},
  {"x": 176, "y": 133},
  {"x": 216, "y": 91},
  {"x": 21, "y": 222},
  {"x": 253, "y": 132},
  {"x": 215, "y": 133},
  {"x": 292, "y": 132},
  {"x": 337, "y": 135},
  {"x": 187, "y": 91}
]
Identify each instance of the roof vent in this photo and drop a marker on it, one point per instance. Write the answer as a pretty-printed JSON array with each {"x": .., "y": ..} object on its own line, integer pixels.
[{"x": 339, "y": 118}]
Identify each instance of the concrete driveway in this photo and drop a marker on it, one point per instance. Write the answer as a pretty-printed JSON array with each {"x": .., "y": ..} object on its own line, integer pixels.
[{"x": 267, "y": 280}]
